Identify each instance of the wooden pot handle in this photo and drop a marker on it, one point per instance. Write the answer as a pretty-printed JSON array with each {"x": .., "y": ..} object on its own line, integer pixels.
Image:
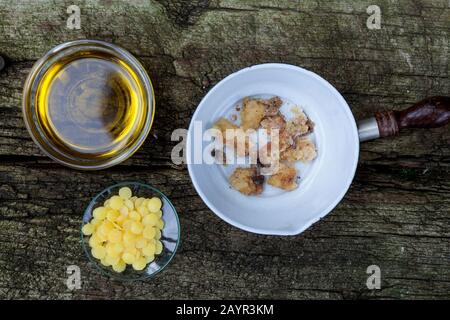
[{"x": 429, "y": 113}]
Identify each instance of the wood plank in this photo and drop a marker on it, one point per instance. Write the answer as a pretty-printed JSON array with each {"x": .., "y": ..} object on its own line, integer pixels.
[{"x": 395, "y": 214}]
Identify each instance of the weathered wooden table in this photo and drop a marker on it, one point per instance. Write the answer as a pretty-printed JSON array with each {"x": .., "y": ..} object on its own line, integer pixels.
[{"x": 396, "y": 214}]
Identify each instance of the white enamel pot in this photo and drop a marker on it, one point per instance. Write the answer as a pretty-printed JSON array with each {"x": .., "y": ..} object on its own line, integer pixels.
[{"x": 323, "y": 182}]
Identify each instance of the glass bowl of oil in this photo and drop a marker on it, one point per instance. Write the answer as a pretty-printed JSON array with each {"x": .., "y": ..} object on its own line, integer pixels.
[
  {"x": 170, "y": 233},
  {"x": 88, "y": 104}
]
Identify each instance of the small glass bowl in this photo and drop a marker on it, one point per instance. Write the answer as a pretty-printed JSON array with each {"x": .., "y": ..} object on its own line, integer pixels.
[
  {"x": 34, "y": 125},
  {"x": 170, "y": 234}
]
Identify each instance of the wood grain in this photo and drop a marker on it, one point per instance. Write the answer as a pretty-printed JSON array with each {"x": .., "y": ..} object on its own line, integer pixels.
[{"x": 396, "y": 214}]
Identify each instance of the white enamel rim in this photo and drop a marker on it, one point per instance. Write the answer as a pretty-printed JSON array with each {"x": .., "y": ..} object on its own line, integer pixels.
[{"x": 345, "y": 186}]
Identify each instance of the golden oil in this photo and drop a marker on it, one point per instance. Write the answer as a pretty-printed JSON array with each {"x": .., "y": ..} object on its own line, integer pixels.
[{"x": 91, "y": 105}]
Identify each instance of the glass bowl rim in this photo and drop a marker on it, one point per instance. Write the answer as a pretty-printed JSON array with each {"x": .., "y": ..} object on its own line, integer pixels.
[
  {"x": 96, "y": 263},
  {"x": 33, "y": 79}
]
